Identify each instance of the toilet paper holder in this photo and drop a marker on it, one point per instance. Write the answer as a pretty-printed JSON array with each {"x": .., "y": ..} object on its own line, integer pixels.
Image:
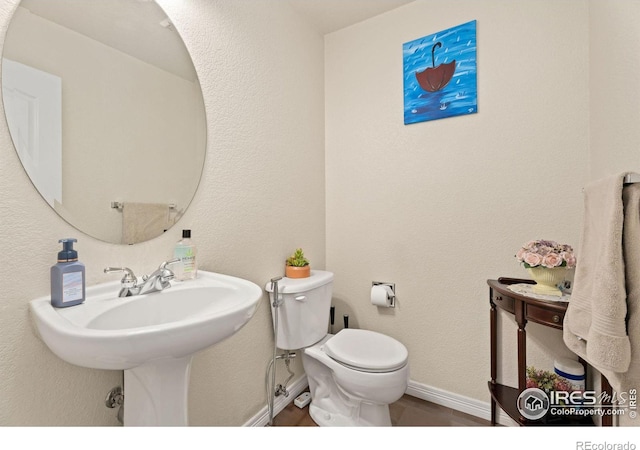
[{"x": 392, "y": 286}]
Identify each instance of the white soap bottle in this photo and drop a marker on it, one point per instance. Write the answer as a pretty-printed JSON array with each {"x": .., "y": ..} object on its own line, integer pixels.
[{"x": 185, "y": 250}]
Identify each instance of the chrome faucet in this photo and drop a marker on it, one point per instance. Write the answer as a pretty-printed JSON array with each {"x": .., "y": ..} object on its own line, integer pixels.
[
  {"x": 157, "y": 281},
  {"x": 128, "y": 284}
]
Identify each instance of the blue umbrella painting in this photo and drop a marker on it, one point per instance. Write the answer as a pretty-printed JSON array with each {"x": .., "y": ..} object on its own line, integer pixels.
[{"x": 440, "y": 75}]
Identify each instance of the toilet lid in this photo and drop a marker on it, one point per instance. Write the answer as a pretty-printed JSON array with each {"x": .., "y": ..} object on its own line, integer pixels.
[{"x": 367, "y": 350}]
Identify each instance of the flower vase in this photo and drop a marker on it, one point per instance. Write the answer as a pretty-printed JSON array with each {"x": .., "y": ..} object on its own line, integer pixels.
[{"x": 547, "y": 279}]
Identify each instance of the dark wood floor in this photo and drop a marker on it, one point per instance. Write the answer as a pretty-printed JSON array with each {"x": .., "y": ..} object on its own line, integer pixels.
[{"x": 407, "y": 412}]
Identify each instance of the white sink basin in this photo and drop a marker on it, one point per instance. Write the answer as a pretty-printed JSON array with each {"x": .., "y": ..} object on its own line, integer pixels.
[
  {"x": 108, "y": 332},
  {"x": 145, "y": 334}
]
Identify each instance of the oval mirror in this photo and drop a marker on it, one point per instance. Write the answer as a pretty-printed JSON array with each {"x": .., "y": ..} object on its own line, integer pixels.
[{"x": 106, "y": 113}]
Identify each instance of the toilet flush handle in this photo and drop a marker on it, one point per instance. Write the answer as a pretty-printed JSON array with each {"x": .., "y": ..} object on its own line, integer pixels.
[{"x": 300, "y": 298}]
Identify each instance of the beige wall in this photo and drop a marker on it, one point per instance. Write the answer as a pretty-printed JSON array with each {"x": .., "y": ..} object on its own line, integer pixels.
[
  {"x": 436, "y": 207},
  {"x": 261, "y": 75},
  {"x": 614, "y": 41},
  {"x": 440, "y": 207}
]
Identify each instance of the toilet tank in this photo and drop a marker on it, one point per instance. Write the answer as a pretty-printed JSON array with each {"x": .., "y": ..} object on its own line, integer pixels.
[{"x": 303, "y": 315}]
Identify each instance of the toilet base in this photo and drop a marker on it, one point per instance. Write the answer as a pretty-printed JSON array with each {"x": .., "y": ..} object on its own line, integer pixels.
[
  {"x": 341, "y": 396},
  {"x": 369, "y": 415}
]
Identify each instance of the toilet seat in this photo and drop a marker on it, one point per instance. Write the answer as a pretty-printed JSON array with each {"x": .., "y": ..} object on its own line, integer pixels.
[{"x": 366, "y": 351}]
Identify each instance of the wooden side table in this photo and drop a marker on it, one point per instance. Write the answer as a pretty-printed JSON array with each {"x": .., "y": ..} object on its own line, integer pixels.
[{"x": 524, "y": 309}]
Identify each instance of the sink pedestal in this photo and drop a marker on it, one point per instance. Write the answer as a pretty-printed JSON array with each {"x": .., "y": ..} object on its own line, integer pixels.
[{"x": 155, "y": 393}]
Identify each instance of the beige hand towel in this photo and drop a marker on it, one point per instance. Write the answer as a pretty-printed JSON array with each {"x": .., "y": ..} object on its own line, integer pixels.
[
  {"x": 143, "y": 221},
  {"x": 625, "y": 382},
  {"x": 595, "y": 322}
]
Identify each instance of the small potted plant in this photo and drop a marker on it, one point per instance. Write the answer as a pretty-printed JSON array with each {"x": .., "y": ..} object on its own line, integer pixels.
[{"x": 297, "y": 266}]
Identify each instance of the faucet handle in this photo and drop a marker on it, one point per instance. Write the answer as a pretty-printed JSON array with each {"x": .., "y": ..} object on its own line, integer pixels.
[
  {"x": 129, "y": 279},
  {"x": 167, "y": 263},
  {"x": 167, "y": 274}
]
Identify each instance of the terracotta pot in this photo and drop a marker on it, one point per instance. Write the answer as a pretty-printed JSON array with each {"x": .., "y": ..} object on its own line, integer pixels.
[{"x": 297, "y": 272}]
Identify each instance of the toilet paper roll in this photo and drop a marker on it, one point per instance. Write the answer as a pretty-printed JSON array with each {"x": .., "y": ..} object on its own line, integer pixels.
[{"x": 381, "y": 295}]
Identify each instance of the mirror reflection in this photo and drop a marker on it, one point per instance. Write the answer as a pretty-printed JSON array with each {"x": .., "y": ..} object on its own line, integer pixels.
[{"x": 106, "y": 113}]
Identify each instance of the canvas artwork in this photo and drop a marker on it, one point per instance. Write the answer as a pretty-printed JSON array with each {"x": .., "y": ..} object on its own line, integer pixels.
[{"x": 440, "y": 75}]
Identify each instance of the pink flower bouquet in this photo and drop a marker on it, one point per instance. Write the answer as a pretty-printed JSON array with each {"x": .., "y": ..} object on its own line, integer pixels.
[{"x": 546, "y": 254}]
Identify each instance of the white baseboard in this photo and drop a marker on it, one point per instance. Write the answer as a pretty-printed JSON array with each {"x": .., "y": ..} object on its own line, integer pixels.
[
  {"x": 457, "y": 402},
  {"x": 431, "y": 394}
]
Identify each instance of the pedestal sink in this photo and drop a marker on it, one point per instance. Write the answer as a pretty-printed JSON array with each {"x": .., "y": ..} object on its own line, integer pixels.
[{"x": 151, "y": 337}]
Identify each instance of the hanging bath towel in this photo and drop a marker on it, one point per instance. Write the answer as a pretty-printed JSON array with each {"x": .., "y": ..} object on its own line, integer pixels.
[
  {"x": 595, "y": 322},
  {"x": 144, "y": 221}
]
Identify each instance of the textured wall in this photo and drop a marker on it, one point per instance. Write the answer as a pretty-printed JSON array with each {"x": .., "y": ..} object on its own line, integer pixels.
[
  {"x": 614, "y": 41},
  {"x": 261, "y": 195},
  {"x": 439, "y": 207},
  {"x": 436, "y": 207}
]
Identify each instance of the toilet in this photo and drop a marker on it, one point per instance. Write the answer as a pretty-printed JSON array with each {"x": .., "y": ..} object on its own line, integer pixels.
[{"x": 353, "y": 375}]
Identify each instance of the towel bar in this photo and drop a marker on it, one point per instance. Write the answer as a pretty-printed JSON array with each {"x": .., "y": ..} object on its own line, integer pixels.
[
  {"x": 631, "y": 178},
  {"x": 120, "y": 205}
]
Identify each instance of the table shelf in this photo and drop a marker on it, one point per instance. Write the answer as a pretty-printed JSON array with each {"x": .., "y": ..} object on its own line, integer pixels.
[{"x": 525, "y": 309}]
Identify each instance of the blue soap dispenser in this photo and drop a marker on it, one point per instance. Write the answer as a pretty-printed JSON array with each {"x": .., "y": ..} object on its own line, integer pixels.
[{"x": 67, "y": 277}]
